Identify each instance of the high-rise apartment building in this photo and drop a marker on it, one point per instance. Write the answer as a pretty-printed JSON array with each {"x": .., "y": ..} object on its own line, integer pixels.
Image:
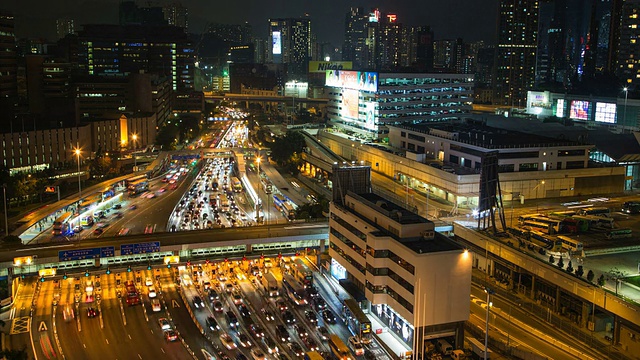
[
  {"x": 131, "y": 14},
  {"x": 516, "y": 52},
  {"x": 176, "y": 15},
  {"x": 112, "y": 50},
  {"x": 354, "y": 45},
  {"x": 8, "y": 66},
  {"x": 628, "y": 69},
  {"x": 64, "y": 27},
  {"x": 290, "y": 43},
  {"x": 417, "y": 48},
  {"x": 444, "y": 52}
]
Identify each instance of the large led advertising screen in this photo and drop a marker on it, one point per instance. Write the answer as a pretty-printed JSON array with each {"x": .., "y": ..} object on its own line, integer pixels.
[
  {"x": 277, "y": 43},
  {"x": 606, "y": 112},
  {"x": 580, "y": 110},
  {"x": 560, "y": 108},
  {"x": 349, "y": 104},
  {"x": 369, "y": 116},
  {"x": 357, "y": 80}
]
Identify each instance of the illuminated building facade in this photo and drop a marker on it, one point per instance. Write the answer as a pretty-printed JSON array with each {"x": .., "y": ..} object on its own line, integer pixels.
[
  {"x": 290, "y": 43},
  {"x": 628, "y": 69}
]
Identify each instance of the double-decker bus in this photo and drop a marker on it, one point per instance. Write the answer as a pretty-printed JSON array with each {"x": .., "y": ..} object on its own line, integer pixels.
[
  {"x": 138, "y": 187},
  {"x": 266, "y": 185},
  {"x": 619, "y": 234},
  {"x": 302, "y": 273},
  {"x": 133, "y": 297},
  {"x": 631, "y": 207},
  {"x": 61, "y": 225},
  {"x": 90, "y": 202},
  {"x": 270, "y": 285},
  {"x": 357, "y": 320},
  {"x": 570, "y": 244},
  {"x": 294, "y": 290},
  {"x": 133, "y": 179},
  {"x": 598, "y": 211},
  {"x": 339, "y": 350},
  {"x": 236, "y": 185}
]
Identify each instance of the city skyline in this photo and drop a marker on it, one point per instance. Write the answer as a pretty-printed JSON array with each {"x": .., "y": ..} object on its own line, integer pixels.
[{"x": 467, "y": 19}]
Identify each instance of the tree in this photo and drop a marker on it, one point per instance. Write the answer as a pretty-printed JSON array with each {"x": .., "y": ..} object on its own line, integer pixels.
[
  {"x": 590, "y": 276},
  {"x": 616, "y": 275},
  {"x": 560, "y": 262},
  {"x": 166, "y": 137},
  {"x": 579, "y": 271},
  {"x": 601, "y": 280},
  {"x": 570, "y": 267},
  {"x": 101, "y": 166},
  {"x": 552, "y": 259},
  {"x": 15, "y": 354}
]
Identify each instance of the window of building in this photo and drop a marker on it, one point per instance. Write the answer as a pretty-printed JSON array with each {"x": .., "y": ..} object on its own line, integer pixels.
[
  {"x": 528, "y": 167},
  {"x": 575, "y": 164}
]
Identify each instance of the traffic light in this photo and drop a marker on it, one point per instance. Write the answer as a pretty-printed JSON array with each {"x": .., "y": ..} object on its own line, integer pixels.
[
  {"x": 41, "y": 278},
  {"x": 168, "y": 265},
  {"x": 149, "y": 266},
  {"x": 86, "y": 273},
  {"x": 261, "y": 256},
  {"x": 244, "y": 258},
  {"x": 65, "y": 276},
  {"x": 188, "y": 263},
  {"x": 129, "y": 268},
  {"x": 207, "y": 261},
  {"x": 108, "y": 271}
]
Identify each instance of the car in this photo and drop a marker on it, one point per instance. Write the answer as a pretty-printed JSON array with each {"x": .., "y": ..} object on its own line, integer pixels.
[
  {"x": 77, "y": 229},
  {"x": 282, "y": 305},
  {"x": 288, "y": 318},
  {"x": 151, "y": 195},
  {"x": 161, "y": 190},
  {"x": 268, "y": 263},
  {"x": 98, "y": 231},
  {"x": 282, "y": 333},
  {"x": 319, "y": 304},
  {"x": 268, "y": 315},
  {"x": 170, "y": 335},
  {"x": 228, "y": 288},
  {"x": 133, "y": 207},
  {"x": 301, "y": 331},
  {"x": 148, "y": 229},
  {"x": 237, "y": 298},
  {"x": 123, "y": 232},
  {"x": 212, "y": 323},
  {"x": 116, "y": 206},
  {"x": 227, "y": 341},
  {"x": 311, "y": 316},
  {"x": 232, "y": 319},
  {"x": 312, "y": 292},
  {"x": 222, "y": 277},
  {"x": 197, "y": 302},
  {"x": 323, "y": 333},
  {"x": 244, "y": 311},
  {"x": 356, "y": 345},
  {"x": 217, "y": 306},
  {"x": 271, "y": 346},
  {"x": 164, "y": 324},
  {"x": 328, "y": 316},
  {"x": 152, "y": 292},
  {"x": 102, "y": 225},
  {"x": 296, "y": 349},
  {"x": 91, "y": 312},
  {"x": 205, "y": 285},
  {"x": 155, "y": 305},
  {"x": 258, "y": 354},
  {"x": 244, "y": 341},
  {"x": 311, "y": 344},
  {"x": 256, "y": 330},
  {"x": 118, "y": 215},
  {"x": 213, "y": 295},
  {"x": 368, "y": 355},
  {"x": 241, "y": 356},
  {"x": 148, "y": 281}
]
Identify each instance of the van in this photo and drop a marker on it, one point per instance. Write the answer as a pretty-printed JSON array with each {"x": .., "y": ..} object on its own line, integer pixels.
[
  {"x": 444, "y": 347},
  {"x": 458, "y": 355}
]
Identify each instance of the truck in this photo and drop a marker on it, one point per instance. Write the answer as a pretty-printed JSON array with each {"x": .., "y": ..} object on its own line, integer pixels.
[
  {"x": 224, "y": 202},
  {"x": 270, "y": 285},
  {"x": 477, "y": 349}
]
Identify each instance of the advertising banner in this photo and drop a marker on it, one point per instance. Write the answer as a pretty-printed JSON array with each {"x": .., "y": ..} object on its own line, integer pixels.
[
  {"x": 323, "y": 66},
  {"x": 579, "y": 110},
  {"x": 277, "y": 43},
  {"x": 606, "y": 112},
  {"x": 357, "y": 80},
  {"x": 349, "y": 104}
]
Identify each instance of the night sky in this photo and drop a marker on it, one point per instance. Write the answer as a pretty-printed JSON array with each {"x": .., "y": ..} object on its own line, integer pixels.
[{"x": 471, "y": 20}]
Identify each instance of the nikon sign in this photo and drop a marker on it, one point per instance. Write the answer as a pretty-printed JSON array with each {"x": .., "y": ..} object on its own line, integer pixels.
[{"x": 322, "y": 66}]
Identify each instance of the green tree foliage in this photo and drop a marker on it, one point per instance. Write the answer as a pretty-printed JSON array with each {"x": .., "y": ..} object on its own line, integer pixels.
[
  {"x": 15, "y": 354},
  {"x": 590, "y": 276},
  {"x": 286, "y": 151},
  {"x": 313, "y": 211},
  {"x": 552, "y": 259},
  {"x": 166, "y": 137},
  {"x": 601, "y": 280}
]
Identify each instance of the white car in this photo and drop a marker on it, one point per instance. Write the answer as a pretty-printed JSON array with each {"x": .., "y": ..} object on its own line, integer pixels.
[
  {"x": 164, "y": 324},
  {"x": 356, "y": 345},
  {"x": 152, "y": 292},
  {"x": 155, "y": 305},
  {"x": 148, "y": 281},
  {"x": 258, "y": 354},
  {"x": 227, "y": 341}
]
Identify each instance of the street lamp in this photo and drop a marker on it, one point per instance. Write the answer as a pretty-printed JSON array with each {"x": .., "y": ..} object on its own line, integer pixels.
[
  {"x": 536, "y": 190},
  {"x": 77, "y": 151},
  {"x": 624, "y": 117},
  {"x": 489, "y": 292},
  {"x": 6, "y": 223},
  {"x": 135, "y": 144},
  {"x": 259, "y": 185}
]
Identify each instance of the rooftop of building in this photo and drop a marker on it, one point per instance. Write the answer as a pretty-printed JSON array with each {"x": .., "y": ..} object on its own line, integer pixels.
[
  {"x": 126, "y": 33},
  {"x": 404, "y": 216},
  {"x": 386, "y": 75},
  {"x": 478, "y": 134}
]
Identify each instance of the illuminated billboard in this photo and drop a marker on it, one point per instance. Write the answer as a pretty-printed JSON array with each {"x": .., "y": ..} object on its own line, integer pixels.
[
  {"x": 560, "y": 108},
  {"x": 323, "y": 66},
  {"x": 606, "y": 112},
  {"x": 349, "y": 104},
  {"x": 276, "y": 42},
  {"x": 580, "y": 110},
  {"x": 369, "y": 115},
  {"x": 357, "y": 80}
]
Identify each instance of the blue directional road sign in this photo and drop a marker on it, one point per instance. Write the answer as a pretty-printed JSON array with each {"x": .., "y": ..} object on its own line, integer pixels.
[
  {"x": 140, "y": 248},
  {"x": 90, "y": 253}
]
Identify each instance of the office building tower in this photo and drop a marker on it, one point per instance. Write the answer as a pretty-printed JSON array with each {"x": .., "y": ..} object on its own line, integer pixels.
[
  {"x": 388, "y": 44},
  {"x": 444, "y": 52},
  {"x": 516, "y": 52},
  {"x": 418, "y": 47},
  {"x": 177, "y": 15},
  {"x": 628, "y": 69},
  {"x": 131, "y": 14},
  {"x": 64, "y": 27},
  {"x": 354, "y": 45},
  {"x": 8, "y": 65},
  {"x": 290, "y": 43},
  {"x": 234, "y": 34},
  {"x": 113, "y": 50}
]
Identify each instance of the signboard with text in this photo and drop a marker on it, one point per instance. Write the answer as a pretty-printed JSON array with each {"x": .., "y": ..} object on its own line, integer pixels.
[
  {"x": 140, "y": 248},
  {"x": 323, "y": 66},
  {"x": 82, "y": 254}
]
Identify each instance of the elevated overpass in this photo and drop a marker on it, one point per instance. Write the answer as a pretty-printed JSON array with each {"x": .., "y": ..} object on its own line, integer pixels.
[
  {"x": 208, "y": 95},
  {"x": 318, "y": 157}
]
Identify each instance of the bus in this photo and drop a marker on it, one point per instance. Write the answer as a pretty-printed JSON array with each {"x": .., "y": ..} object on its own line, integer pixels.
[
  {"x": 288, "y": 211},
  {"x": 61, "y": 225},
  {"x": 90, "y": 202},
  {"x": 133, "y": 179},
  {"x": 266, "y": 186},
  {"x": 598, "y": 211},
  {"x": 523, "y": 218},
  {"x": 570, "y": 244},
  {"x": 477, "y": 348},
  {"x": 313, "y": 355},
  {"x": 133, "y": 297},
  {"x": 590, "y": 220},
  {"x": 562, "y": 214},
  {"x": 294, "y": 290},
  {"x": 556, "y": 224},
  {"x": 224, "y": 202},
  {"x": 138, "y": 187},
  {"x": 339, "y": 350},
  {"x": 538, "y": 226},
  {"x": 357, "y": 321},
  {"x": 236, "y": 185},
  {"x": 547, "y": 242},
  {"x": 619, "y": 234},
  {"x": 270, "y": 285},
  {"x": 631, "y": 207},
  {"x": 302, "y": 273},
  {"x": 573, "y": 226}
]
